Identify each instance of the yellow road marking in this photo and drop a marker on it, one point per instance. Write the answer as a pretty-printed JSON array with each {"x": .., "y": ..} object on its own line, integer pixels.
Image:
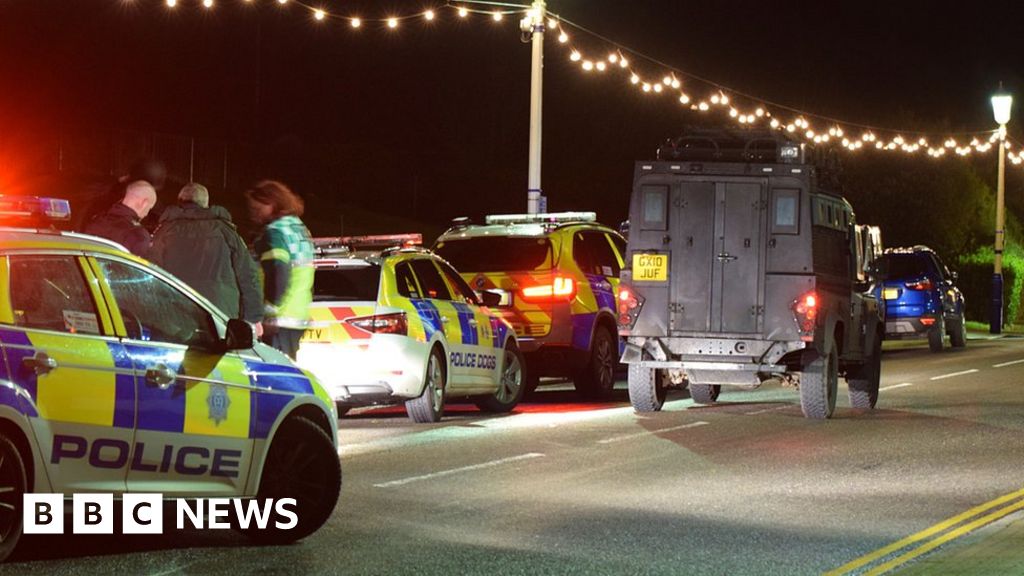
[
  {"x": 926, "y": 533},
  {"x": 946, "y": 538}
]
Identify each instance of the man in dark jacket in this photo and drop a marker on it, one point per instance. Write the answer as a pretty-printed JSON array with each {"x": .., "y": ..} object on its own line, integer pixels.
[
  {"x": 199, "y": 244},
  {"x": 122, "y": 222}
]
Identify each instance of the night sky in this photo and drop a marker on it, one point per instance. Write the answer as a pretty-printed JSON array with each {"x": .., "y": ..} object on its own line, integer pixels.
[{"x": 430, "y": 121}]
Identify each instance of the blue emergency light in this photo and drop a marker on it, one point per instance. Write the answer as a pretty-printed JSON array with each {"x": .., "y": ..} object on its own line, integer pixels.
[{"x": 28, "y": 207}]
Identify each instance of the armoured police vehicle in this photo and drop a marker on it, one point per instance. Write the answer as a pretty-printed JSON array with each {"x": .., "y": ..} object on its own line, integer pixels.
[{"x": 741, "y": 268}]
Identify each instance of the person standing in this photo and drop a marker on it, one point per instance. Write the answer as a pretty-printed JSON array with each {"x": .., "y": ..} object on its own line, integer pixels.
[
  {"x": 200, "y": 244},
  {"x": 285, "y": 252},
  {"x": 122, "y": 222}
]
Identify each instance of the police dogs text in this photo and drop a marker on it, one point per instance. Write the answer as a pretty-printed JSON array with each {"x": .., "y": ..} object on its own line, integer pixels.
[{"x": 144, "y": 514}]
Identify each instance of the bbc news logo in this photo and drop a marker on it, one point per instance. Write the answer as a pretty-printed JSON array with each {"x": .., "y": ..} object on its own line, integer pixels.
[{"x": 144, "y": 514}]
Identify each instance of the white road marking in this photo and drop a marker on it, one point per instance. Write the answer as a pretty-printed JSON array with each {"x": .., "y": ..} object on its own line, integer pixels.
[
  {"x": 954, "y": 374},
  {"x": 1008, "y": 363},
  {"x": 490, "y": 464},
  {"x": 903, "y": 385},
  {"x": 772, "y": 409},
  {"x": 614, "y": 439}
]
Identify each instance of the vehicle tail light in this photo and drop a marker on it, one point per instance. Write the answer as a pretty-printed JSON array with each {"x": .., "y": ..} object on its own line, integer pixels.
[
  {"x": 560, "y": 288},
  {"x": 927, "y": 321},
  {"x": 925, "y": 284},
  {"x": 395, "y": 323},
  {"x": 629, "y": 305},
  {"x": 806, "y": 309}
]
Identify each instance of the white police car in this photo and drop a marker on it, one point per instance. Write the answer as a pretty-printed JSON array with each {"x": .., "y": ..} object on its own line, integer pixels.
[
  {"x": 394, "y": 324},
  {"x": 115, "y": 377}
]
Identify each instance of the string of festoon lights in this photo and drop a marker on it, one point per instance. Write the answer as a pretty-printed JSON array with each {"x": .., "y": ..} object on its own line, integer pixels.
[{"x": 691, "y": 92}]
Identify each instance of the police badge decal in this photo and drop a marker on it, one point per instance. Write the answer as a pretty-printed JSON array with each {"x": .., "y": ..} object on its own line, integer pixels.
[{"x": 218, "y": 402}]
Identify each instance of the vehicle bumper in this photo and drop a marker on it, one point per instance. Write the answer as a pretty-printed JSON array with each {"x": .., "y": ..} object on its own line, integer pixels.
[
  {"x": 909, "y": 328},
  {"x": 382, "y": 369},
  {"x": 721, "y": 360}
]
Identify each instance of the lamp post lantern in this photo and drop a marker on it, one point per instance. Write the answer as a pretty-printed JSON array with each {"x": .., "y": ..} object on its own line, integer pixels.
[{"x": 1002, "y": 103}]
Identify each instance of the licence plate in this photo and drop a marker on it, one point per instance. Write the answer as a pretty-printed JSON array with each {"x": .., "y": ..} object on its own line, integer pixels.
[
  {"x": 650, "y": 267},
  {"x": 890, "y": 294}
]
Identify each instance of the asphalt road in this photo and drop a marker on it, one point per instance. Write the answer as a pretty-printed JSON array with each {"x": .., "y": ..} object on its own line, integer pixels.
[{"x": 747, "y": 486}]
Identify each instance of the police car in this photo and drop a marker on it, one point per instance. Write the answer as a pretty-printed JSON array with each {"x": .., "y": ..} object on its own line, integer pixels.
[
  {"x": 557, "y": 275},
  {"x": 392, "y": 323},
  {"x": 115, "y": 377}
]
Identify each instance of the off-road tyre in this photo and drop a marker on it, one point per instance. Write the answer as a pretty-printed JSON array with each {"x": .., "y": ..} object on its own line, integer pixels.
[
  {"x": 704, "y": 393},
  {"x": 647, "y": 390},
  {"x": 863, "y": 381},
  {"x": 957, "y": 332},
  {"x": 819, "y": 383},
  {"x": 936, "y": 336}
]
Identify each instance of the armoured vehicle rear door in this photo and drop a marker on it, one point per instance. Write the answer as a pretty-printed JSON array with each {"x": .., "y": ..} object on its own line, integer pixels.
[{"x": 717, "y": 238}]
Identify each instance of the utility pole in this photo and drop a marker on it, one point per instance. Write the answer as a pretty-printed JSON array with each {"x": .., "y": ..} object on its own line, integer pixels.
[{"x": 534, "y": 25}]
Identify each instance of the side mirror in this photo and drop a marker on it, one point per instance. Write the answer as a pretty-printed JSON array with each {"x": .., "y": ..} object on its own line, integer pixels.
[
  {"x": 490, "y": 299},
  {"x": 239, "y": 335}
]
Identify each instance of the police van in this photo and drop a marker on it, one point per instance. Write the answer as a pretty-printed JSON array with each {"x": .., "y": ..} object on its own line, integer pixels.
[
  {"x": 742, "y": 268},
  {"x": 116, "y": 377}
]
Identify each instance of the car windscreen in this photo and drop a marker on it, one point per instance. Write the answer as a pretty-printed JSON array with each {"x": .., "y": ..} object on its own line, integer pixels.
[
  {"x": 496, "y": 253},
  {"x": 347, "y": 283},
  {"x": 900, "y": 266}
]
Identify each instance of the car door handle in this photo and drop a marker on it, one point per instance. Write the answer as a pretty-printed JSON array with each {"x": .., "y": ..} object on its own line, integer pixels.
[
  {"x": 40, "y": 363},
  {"x": 160, "y": 375}
]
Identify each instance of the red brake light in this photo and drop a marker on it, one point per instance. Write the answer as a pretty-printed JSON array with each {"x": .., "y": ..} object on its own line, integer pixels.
[
  {"x": 629, "y": 306},
  {"x": 382, "y": 323},
  {"x": 805, "y": 308},
  {"x": 925, "y": 284},
  {"x": 561, "y": 288}
]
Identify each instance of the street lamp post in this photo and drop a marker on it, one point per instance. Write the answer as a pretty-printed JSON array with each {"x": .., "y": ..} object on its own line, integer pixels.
[
  {"x": 535, "y": 20},
  {"x": 1001, "y": 105}
]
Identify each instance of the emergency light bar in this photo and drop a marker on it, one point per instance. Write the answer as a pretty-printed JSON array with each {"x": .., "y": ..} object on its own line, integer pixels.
[
  {"x": 553, "y": 218},
  {"x": 55, "y": 209},
  {"x": 347, "y": 243}
]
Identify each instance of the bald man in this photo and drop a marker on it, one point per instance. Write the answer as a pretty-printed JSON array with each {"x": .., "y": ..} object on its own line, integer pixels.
[{"x": 122, "y": 222}]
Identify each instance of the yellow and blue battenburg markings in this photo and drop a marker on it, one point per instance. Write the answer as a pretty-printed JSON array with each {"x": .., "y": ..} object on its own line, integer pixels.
[{"x": 116, "y": 395}]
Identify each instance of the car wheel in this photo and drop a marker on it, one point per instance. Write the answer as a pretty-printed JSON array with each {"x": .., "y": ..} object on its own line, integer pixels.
[
  {"x": 862, "y": 382},
  {"x": 647, "y": 390},
  {"x": 13, "y": 484},
  {"x": 819, "y": 382},
  {"x": 704, "y": 393},
  {"x": 958, "y": 332},
  {"x": 511, "y": 387},
  {"x": 597, "y": 377},
  {"x": 302, "y": 464},
  {"x": 937, "y": 335},
  {"x": 429, "y": 406}
]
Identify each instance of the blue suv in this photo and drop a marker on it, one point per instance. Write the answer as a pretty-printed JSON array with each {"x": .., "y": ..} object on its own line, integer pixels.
[{"x": 921, "y": 298}]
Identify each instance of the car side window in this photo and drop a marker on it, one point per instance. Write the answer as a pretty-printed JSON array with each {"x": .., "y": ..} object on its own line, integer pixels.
[
  {"x": 155, "y": 311},
  {"x": 50, "y": 293},
  {"x": 406, "y": 281},
  {"x": 594, "y": 254},
  {"x": 431, "y": 283},
  {"x": 460, "y": 285}
]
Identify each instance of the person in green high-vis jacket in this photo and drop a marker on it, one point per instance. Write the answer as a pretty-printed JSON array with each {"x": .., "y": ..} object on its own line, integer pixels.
[{"x": 285, "y": 251}]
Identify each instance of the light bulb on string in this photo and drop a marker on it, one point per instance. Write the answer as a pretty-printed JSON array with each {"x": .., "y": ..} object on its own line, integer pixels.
[
  {"x": 588, "y": 65},
  {"x": 172, "y": 3},
  {"x": 463, "y": 13},
  {"x": 563, "y": 37},
  {"x": 600, "y": 65},
  {"x": 684, "y": 99},
  {"x": 392, "y": 22},
  {"x": 613, "y": 58},
  {"x": 497, "y": 16},
  {"x": 319, "y": 14},
  {"x": 575, "y": 56},
  {"x": 657, "y": 88},
  {"x": 429, "y": 14},
  {"x": 646, "y": 87},
  {"x": 208, "y": 3},
  {"x": 356, "y": 22}
]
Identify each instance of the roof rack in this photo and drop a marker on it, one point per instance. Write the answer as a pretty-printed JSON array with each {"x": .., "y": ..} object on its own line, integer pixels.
[
  {"x": 723, "y": 145},
  {"x": 552, "y": 218},
  {"x": 348, "y": 244}
]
